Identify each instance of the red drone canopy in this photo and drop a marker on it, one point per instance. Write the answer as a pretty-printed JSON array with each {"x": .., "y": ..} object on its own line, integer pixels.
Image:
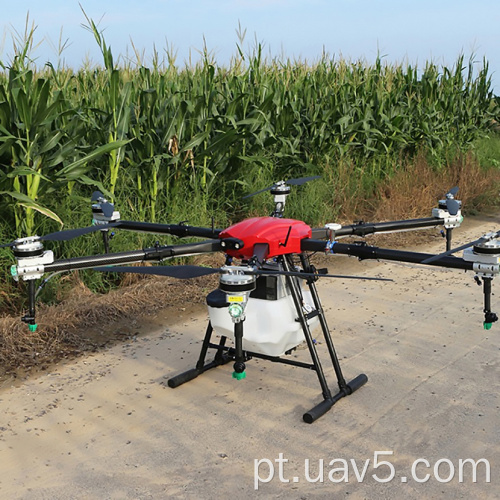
[{"x": 283, "y": 236}]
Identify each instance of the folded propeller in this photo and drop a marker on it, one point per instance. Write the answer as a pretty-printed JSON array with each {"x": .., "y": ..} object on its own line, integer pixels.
[
  {"x": 291, "y": 182},
  {"x": 190, "y": 271}
]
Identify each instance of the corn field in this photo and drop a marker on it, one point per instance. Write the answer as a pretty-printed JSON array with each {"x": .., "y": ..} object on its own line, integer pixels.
[{"x": 152, "y": 135}]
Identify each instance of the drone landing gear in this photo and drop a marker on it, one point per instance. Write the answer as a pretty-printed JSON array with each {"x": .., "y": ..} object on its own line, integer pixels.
[
  {"x": 345, "y": 389},
  {"x": 220, "y": 359},
  {"x": 225, "y": 354}
]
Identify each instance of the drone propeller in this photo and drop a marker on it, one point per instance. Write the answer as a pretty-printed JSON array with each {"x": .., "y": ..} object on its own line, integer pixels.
[
  {"x": 452, "y": 205},
  {"x": 73, "y": 233},
  {"x": 292, "y": 182},
  {"x": 479, "y": 241},
  {"x": 301, "y": 180},
  {"x": 96, "y": 195},
  {"x": 180, "y": 272},
  {"x": 188, "y": 271},
  {"x": 106, "y": 207},
  {"x": 63, "y": 235}
]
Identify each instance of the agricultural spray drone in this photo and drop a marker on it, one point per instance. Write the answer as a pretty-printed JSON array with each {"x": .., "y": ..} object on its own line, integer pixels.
[{"x": 267, "y": 304}]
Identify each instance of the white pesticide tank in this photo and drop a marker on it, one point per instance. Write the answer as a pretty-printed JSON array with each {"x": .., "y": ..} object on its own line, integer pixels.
[{"x": 271, "y": 325}]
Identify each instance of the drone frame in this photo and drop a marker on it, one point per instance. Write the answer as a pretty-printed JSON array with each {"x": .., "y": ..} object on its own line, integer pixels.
[{"x": 254, "y": 241}]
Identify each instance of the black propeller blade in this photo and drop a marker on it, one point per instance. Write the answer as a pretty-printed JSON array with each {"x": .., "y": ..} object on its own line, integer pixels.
[
  {"x": 187, "y": 272},
  {"x": 5, "y": 245},
  {"x": 106, "y": 207},
  {"x": 292, "y": 182},
  {"x": 67, "y": 235},
  {"x": 301, "y": 180},
  {"x": 462, "y": 247},
  {"x": 452, "y": 205},
  {"x": 302, "y": 274},
  {"x": 179, "y": 272},
  {"x": 96, "y": 195}
]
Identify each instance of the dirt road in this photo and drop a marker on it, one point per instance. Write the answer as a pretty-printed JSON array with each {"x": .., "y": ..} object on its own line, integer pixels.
[{"x": 108, "y": 427}]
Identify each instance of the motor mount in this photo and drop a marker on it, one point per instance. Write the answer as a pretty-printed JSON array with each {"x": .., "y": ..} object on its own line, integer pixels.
[
  {"x": 450, "y": 221},
  {"x": 31, "y": 258},
  {"x": 280, "y": 191},
  {"x": 486, "y": 257}
]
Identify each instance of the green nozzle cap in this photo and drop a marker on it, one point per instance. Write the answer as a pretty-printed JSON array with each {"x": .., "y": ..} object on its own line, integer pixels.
[
  {"x": 33, "y": 327},
  {"x": 13, "y": 270},
  {"x": 239, "y": 376},
  {"x": 487, "y": 326}
]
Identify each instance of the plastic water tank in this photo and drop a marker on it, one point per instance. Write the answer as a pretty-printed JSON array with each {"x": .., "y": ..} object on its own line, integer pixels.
[{"x": 270, "y": 327}]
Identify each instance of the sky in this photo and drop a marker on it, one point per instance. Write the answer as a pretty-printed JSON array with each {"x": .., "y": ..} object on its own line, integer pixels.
[{"x": 400, "y": 31}]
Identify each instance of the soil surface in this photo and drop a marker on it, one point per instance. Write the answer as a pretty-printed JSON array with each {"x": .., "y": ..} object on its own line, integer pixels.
[{"x": 107, "y": 426}]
